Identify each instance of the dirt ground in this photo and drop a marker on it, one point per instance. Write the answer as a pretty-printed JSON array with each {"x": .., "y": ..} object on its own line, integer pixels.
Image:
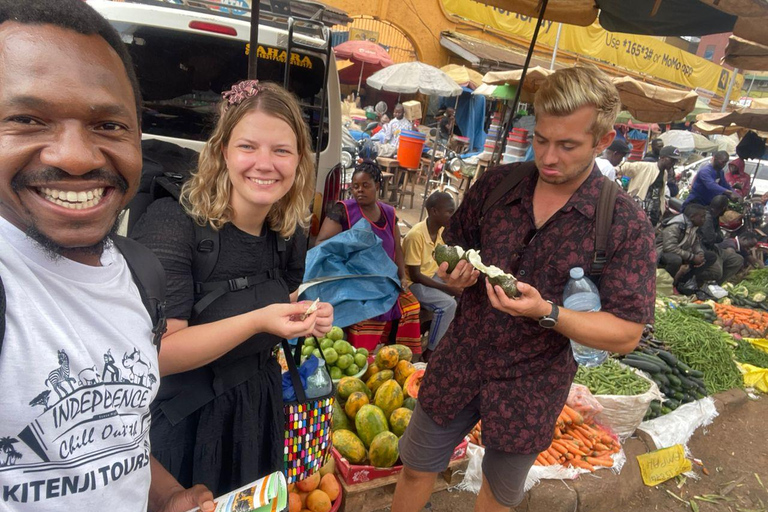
[{"x": 733, "y": 450}]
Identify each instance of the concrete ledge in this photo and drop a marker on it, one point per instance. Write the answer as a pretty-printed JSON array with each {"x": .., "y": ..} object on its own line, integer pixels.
[{"x": 727, "y": 400}]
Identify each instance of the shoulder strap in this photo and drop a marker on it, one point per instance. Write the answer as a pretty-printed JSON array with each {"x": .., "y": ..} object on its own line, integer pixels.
[
  {"x": 2, "y": 314},
  {"x": 603, "y": 222},
  {"x": 206, "y": 252},
  {"x": 515, "y": 175},
  {"x": 150, "y": 280}
]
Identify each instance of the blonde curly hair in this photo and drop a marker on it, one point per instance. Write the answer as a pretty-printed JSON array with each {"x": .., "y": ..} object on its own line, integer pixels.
[{"x": 206, "y": 195}]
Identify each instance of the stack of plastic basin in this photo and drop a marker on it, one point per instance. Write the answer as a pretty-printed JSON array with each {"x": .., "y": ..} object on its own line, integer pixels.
[
  {"x": 517, "y": 146},
  {"x": 410, "y": 148}
]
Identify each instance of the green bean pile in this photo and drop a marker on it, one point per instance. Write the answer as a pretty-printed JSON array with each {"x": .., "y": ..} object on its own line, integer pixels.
[
  {"x": 611, "y": 378},
  {"x": 702, "y": 347},
  {"x": 746, "y": 353}
]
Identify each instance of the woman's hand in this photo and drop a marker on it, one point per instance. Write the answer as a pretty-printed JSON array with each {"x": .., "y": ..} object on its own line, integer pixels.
[
  {"x": 287, "y": 320},
  {"x": 529, "y": 304},
  {"x": 324, "y": 320},
  {"x": 463, "y": 276},
  {"x": 183, "y": 500}
]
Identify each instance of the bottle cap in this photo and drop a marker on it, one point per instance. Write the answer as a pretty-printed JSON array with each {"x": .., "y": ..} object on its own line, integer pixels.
[{"x": 577, "y": 273}]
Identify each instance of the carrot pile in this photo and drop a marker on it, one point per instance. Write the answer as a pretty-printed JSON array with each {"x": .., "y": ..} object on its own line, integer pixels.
[
  {"x": 476, "y": 436},
  {"x": 577, "y": 444},
  {"x": 742, "y": 321}
]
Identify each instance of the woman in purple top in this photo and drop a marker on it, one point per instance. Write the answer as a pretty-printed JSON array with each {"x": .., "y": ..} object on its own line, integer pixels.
[{"x": 366, "y": 182}]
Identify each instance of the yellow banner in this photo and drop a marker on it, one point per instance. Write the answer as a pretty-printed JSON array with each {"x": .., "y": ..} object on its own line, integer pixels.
[{"x": 645, "y": 54}]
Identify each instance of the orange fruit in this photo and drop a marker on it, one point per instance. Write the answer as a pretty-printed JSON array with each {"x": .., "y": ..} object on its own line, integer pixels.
[
  {"x": 318, "y": 501},
  {"x": 330, "y": 486},
  {"x": 294, "y": 502},
  {"x": 291, "y": 487},
  {"x": 309, "y": 484},
  {"x": 303, "y": 498}
]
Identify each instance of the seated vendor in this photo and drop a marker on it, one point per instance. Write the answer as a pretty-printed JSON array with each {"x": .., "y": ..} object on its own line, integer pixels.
[
  {"x": 390, "y": 132},
  {"x": 419, "y": 246}
]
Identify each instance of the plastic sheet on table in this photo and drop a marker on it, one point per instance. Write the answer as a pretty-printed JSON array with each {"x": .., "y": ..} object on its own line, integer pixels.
[{"x": 754, "y": 376}]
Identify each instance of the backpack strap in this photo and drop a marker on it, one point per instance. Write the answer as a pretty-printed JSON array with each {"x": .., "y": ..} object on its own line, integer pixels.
[
  {"x": 515, "y": 175},
  {"x": 149, "y": 276},
  {"x": 609, "y": 190},
  {"x": 207, "y": 247},
  {"x": 2, "y": 314}
]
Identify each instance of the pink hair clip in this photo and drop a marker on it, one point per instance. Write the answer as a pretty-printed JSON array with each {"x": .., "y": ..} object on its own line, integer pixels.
[{"x": 241, "y": 91}]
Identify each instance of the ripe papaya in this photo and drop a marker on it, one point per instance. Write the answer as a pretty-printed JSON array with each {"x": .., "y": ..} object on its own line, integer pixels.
[
  {"x": 403, "y": 370},
  {"x": 409, "y": 402},
  {"x": 389, "y": 397},
  {"x": 355, "y": 401},
  {"x": 340, "y": 419},
  {"x": 378, "y": 379},
  {"x": 370, "y": 372},
  {"x": 384, "y": 450},
  {"x": 404, "y": 353},
  {"x": 387, "y": 358},
  {"x": 370, "y": 422},
  {"x": 349, "y": 385},
  {"x": 413, "y": 383},
  {"x": 399, "y": 419},
  {"x": 349, "y": 446}
]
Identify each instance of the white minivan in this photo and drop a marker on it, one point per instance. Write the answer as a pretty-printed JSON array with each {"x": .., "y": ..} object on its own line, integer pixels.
[{"x": 187, "y": 52}]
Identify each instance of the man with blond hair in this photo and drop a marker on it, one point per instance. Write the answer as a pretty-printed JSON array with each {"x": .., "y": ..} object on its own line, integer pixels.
[{"x": 508, "y": 362}]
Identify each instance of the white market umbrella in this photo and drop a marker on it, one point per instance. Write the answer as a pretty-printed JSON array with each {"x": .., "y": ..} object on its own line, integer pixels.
[{"x": 413, "y": 77}]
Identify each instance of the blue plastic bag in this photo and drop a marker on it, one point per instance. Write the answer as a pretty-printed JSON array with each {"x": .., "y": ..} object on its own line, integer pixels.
[
  {"x": 352, "y": 272},
  {"x": 306, "y": 369}
]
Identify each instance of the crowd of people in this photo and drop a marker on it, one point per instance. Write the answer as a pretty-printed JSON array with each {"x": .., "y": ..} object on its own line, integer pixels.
[{"x": 195, "y": 303}]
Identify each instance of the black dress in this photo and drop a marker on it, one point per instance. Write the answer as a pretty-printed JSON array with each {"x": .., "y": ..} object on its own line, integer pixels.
[{"x": 238, "y": 436}]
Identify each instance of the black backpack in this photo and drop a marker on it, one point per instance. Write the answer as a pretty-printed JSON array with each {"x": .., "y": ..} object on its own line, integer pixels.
[
  {"x": 166, "y": 167},
  {"x": 603, "y": 216},
  {"x": 149, "y": 276}
]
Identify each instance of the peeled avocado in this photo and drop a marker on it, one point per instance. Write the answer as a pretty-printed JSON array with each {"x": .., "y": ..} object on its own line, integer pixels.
[{"x": 450, "y": 253}]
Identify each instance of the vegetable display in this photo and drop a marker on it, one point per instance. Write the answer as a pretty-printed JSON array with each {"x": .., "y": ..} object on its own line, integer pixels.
[
  {"x": 741, "y": 321},
  {"x": 746, "y": 353},
  {"x": 701, "y": 346},
  {"x": 611, "y": 378}
]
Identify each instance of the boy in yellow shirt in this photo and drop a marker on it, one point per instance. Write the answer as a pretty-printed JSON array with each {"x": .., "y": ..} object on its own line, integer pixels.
[{"x": 418, "y": 248}]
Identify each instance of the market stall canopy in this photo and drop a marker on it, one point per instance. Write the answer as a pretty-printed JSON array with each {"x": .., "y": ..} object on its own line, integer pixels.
[
  {"x": 413, "y": 77},
  {"x": 687, "y": 141},
  {"x": 700, "y": 108},
  {"x": 745, "y": 18},
  {"x": 713, "y": 129},
  {"x": 464, "y": 76},
  {"x": 652, "y": 103},
  {"x": 626, "y": 118},
  {"x": 744, "y": 54},
  {"x": 533, "y": 79},
  {"x": 485, "y": 90},
  {"x": 366, "y": 58},
  {"x": 485, "y": 54},
  {"x": 754, "y": 117}
]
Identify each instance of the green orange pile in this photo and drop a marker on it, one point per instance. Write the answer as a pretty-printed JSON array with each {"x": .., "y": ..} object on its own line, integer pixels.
[
  {"x": 371, "y": 413},
  {"x": 342, "y": 358}
]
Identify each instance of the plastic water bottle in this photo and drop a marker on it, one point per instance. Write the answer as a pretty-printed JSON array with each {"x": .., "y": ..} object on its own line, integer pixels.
[
  {"x": 319, "y": 383},
  {"x": 581, "y": 295}
]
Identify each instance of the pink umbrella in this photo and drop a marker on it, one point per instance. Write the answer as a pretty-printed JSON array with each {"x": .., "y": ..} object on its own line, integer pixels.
[{"x": 366, "y": 57}]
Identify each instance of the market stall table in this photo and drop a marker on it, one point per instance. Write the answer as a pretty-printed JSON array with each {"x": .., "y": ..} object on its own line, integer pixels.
[{"x": 391, "y": 167}]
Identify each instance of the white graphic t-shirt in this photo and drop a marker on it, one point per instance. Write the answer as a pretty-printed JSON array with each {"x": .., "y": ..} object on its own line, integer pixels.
[{"x": 77, "y": 372}]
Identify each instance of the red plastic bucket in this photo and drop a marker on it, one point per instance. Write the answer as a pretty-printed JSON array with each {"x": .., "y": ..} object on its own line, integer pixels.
[{"x": 410, "y": 148}]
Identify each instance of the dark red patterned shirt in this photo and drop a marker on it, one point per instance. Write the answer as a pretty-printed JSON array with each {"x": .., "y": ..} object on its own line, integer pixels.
[{"x": 522, "y": 371}]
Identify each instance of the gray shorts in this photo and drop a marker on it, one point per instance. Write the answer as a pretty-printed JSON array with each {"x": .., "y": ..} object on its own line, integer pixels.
[{"x": 427, "y": 447}]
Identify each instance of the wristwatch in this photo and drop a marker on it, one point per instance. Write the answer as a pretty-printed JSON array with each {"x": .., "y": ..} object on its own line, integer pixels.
[{"x": 550, "y": 320}]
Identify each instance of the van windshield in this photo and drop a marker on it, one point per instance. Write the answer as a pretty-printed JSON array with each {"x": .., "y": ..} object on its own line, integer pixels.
[{"x": 183, "y": 74}]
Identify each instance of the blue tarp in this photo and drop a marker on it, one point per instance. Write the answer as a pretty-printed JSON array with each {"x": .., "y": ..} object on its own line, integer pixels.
[
  {"x": 353, "y": 273},
  {"x": 470, "y": 117}
]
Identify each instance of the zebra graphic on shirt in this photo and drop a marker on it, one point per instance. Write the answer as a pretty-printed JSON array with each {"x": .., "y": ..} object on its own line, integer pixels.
[{"x": 60, "y": 375}]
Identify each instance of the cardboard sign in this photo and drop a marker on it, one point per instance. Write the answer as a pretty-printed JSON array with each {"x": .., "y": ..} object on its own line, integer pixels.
[{"x": 661, "y": 465}]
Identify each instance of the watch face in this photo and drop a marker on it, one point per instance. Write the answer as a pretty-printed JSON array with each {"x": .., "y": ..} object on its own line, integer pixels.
[{"x": 547, "y": 322}]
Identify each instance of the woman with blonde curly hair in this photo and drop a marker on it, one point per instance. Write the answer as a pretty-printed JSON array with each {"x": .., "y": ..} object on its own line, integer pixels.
[{"x": 219, "y": 419}]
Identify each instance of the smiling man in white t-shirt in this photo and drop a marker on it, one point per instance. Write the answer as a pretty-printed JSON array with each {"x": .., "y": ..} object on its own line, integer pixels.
[{"x": 78, "y": 367}]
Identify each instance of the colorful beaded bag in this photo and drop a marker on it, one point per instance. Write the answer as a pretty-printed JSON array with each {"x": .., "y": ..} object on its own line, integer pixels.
[{"x": 307, "y": 424}]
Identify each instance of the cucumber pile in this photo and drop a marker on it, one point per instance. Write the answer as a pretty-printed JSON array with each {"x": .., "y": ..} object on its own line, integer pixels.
[{"x": 680, "y": 383}]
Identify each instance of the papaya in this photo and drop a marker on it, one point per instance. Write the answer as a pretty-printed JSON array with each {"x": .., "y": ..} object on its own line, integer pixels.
[
  {"x": 330, "y": 486},
  {"x": 370, "y": 422},
  {"x": 318, "y": 501},
  {"x": 384, "y": 450},
  {"x": 378, "y": 379},
  {"x": 409, "y": 402},
  {"x": 371, "y": 371},
  {"x": 349, "y": 385},
  {"x": 399, "y": 419},
  {"x": 403, "y": 370},
  {"x": 349, "y": 445},
  {"x": 355, "y": 401},
  {"x": 403, "y": 353},
  {"x": 340, "y": 419},
  {"x": 413, "y": 383},
  {"x": 387, "y": 358},
  {"x": 389, "y": 397}
]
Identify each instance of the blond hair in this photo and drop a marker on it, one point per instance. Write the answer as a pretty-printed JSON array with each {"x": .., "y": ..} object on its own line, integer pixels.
[
  {"x": 206, "y": 196},
  {"x": 567, "y": 90}
]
